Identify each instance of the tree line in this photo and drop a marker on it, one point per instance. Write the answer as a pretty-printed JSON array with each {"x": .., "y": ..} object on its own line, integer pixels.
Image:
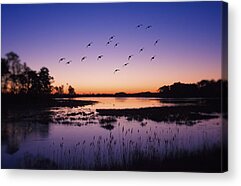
[
  {"x": 17, "y": 78},
  {"x": 204, "y": 88}
]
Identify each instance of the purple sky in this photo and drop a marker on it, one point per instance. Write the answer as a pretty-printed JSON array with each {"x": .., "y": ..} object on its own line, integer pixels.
[{"x": 189, "y": 48}]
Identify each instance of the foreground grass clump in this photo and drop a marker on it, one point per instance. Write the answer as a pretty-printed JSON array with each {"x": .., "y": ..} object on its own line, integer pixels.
[{"x": 207, "y": 160}]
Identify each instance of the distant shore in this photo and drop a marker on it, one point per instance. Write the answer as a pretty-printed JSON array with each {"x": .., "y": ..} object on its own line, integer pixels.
[{"x": 66, "y": 100}]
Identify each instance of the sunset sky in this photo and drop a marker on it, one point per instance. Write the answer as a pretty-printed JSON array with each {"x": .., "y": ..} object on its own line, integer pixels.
[{"x": 189, "y": 48}]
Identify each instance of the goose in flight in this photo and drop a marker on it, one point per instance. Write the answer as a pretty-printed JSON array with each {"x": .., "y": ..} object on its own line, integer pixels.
[
  {"x": 83, "y": 58},
  {"x": 116, "y": 70},
  {"x": 99, "y": 57},
  {"x": 108, "y": 43},
  {"x": 116, "y": 44},
  {"x": 125, "y": 64},
  {"x": 112, "y": 37},
  {"x": 68, "y": 62},
  {"x": 152, "y": 58},
  {"x": 61, "y": 59},
  {"x": 156, "y": 42},
  {"x": 129, "y": 57},
  {"x": 141, "y": 50},
  {"x": 89, "y": 45},
  {"x": 148, "y": 27},
  {"x": 139, "y": 26}
]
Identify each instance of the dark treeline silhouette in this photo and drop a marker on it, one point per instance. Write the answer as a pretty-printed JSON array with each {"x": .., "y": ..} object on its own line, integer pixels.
[
  {"x": 22, "y": 86},
  {"x": 203, "y": 89},
  {"x": 19, "y": 79}
]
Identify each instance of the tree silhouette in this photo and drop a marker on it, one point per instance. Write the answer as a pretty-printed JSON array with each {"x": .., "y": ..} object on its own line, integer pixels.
[
  {"x": 204, "y": 88},
  {"x": 4, "y": 74},
  {"x": 45, "y": 81},
  {"x": 18, "y": 78},
  {"x": 71, "y": 90},
  {"x": 59, "y": 90}
]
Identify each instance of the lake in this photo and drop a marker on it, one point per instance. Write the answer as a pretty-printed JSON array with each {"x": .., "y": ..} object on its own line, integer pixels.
[{"x": 115, "y": 134}]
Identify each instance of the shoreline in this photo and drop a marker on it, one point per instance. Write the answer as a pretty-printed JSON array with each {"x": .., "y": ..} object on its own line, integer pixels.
[{"x": 188, "y": 115}]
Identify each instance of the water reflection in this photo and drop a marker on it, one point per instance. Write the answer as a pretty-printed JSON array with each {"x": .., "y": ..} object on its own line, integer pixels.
[
  {"x": 124, "y": 102},
  {"x": 82, "y": 138}
]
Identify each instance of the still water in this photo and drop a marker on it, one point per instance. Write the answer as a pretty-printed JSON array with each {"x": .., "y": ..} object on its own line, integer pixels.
[
  {"x": 80, "y": 138},
  {"x": 123, "y": 102}
]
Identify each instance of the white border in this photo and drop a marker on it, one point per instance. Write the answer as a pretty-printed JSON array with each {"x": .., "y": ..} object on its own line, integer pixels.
[{"x": 42, "y": 178}]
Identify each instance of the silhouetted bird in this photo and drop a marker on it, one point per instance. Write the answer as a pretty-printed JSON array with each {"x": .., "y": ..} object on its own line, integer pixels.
[
  {"x": 108, "y": 43},
  {"x": 83, "y": 58},
  {"x": 156, "y": 42},
  {"x": 116, "y": 70},
  {"x": 125, "y": 64},
  {"x": 61, "y": 59},
  {"x": 139, "y": 26},
  {"x": 148, "y": 27},
  {"x": 68, "y": 62},
  {"x": 141, "y": 50},
  {"x": 116, "y": 44},
  {"x": 129, "y": 57},
  {"x": 152, "y": 58},
  {"x": 99, "y": 57},
  {"x": 112, "y": 37},
  {"x": 87, "y": 46}
]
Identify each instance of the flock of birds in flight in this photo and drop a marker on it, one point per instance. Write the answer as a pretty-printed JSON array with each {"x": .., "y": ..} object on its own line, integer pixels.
[{"x": 111, "y": 39}]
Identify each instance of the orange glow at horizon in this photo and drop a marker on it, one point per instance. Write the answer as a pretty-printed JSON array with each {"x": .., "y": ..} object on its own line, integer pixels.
[
  {"x": 189, "y": 49},
  {"x": 137, "y": 77}
]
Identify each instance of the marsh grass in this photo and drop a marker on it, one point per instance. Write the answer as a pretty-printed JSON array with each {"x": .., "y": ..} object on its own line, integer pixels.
[
  {"x": 110, "y": 152},
  {"x": 207, "y": 160},
  {"x": 133, "y": 144}
]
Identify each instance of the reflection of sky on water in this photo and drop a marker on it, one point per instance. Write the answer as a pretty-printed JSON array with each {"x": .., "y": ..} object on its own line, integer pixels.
[
  {"x": 123, "y": 102},
  {"x": 82, "y": 142},
  {"x": 179, "y": 137}
]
